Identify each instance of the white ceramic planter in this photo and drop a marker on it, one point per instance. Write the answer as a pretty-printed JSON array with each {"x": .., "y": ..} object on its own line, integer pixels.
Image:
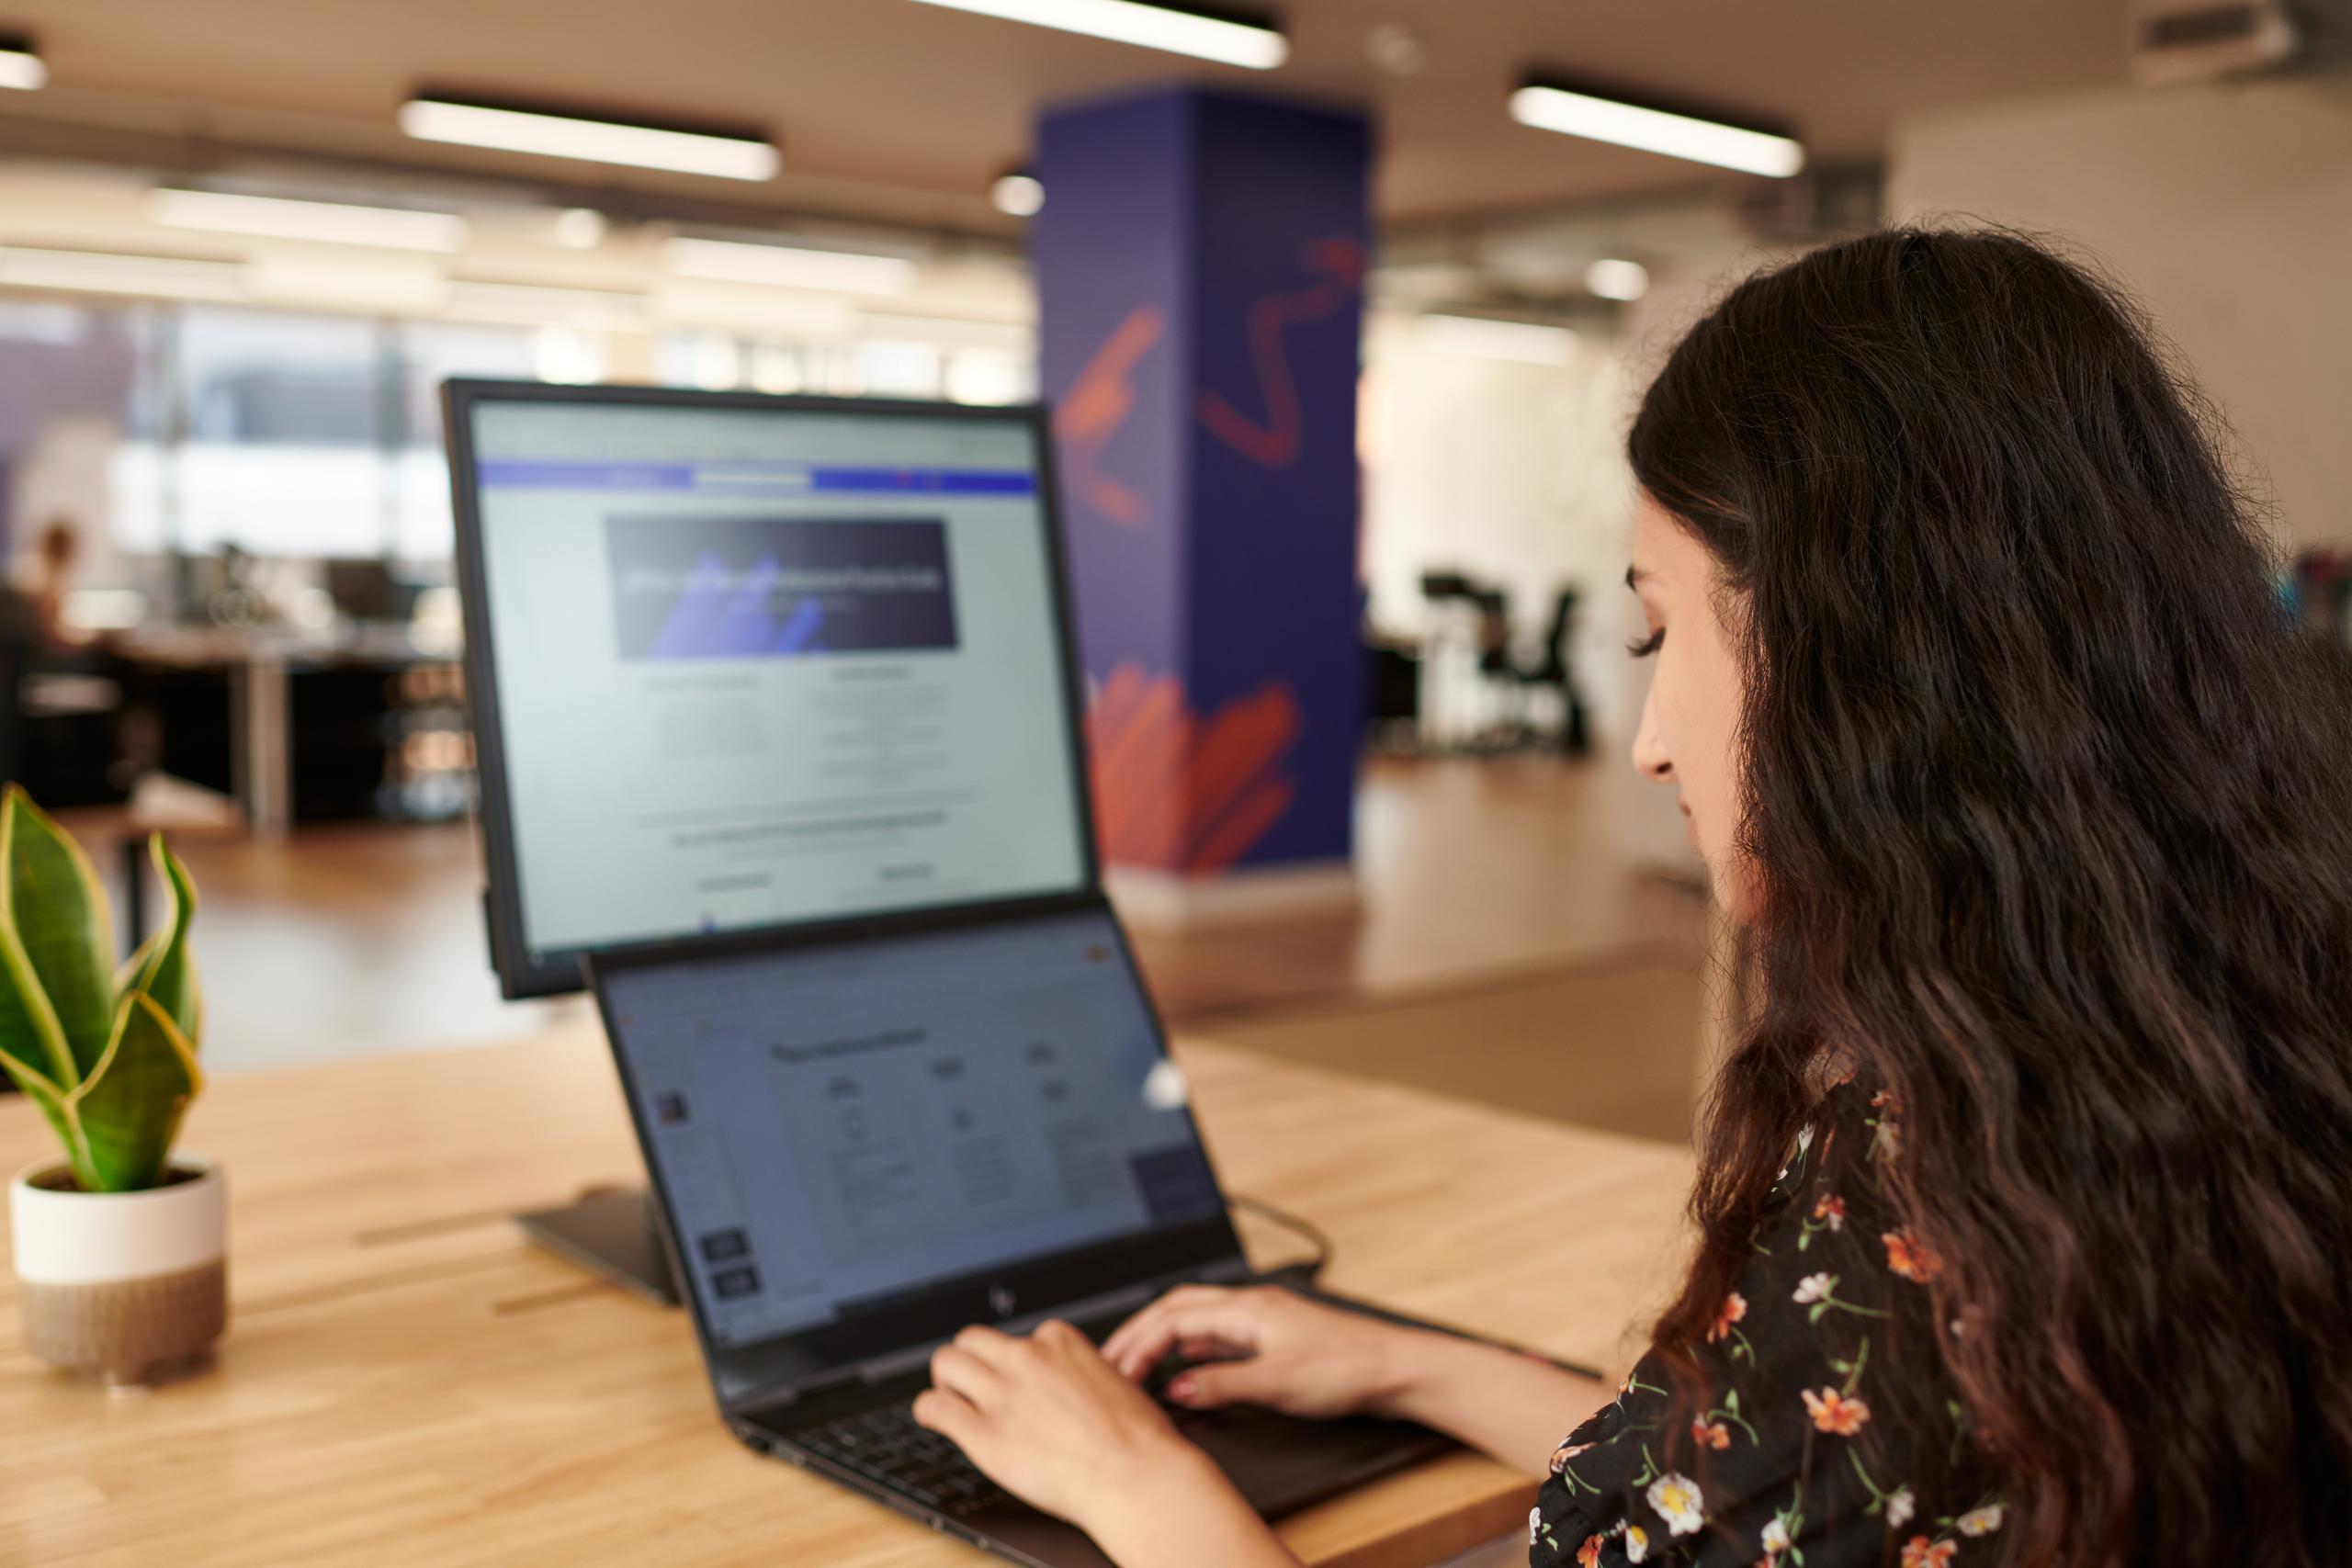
[{"x": 126, "y": 1284}]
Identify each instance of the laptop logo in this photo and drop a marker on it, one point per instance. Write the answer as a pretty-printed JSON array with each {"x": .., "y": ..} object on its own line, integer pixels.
[{"x": 1001, "y": 1300}]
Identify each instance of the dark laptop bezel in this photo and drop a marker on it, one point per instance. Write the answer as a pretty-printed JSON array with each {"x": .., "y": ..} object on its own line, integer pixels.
[
  {"x": 769, "y": 1370},
  {"x": 557, "y": 972}
]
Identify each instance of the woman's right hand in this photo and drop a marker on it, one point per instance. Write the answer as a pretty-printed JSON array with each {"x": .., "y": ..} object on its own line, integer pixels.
[{"x": 1262, "y": 1345}]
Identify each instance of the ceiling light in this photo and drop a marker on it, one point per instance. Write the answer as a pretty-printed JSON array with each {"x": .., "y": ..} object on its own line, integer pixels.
[
  {"x": 1551, "y": 106},
  {"x": 1482, "y": 337},
  {"x": 1230, "y": 38},
  {"x": 20, "y": 65},
  {"x": 109, "y": 271},
  {"x": 1612, "y": 277},
  {"x": 1393, "y": 48},
  {"x": 537, "y": 304},
  {"x": 733, "y": 155},
  {"x": 789, "y": 267},
  {"x": 395, "y": 284},
  {"x": 278, "y": 217},
  {"x": 579, "y": 228},
  {"x": 1020, "y": 193}
]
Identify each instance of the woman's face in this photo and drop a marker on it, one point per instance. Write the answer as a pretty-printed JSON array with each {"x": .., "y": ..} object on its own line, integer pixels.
[{"x": 1690, "y": 732}]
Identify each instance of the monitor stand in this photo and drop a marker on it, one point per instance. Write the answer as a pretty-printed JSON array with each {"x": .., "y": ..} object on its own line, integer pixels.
[{"x": 614, "y": 1231}]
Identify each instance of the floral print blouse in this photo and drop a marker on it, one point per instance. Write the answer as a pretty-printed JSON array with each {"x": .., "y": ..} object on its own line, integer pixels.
[{"x": 1781, "y": 1468}]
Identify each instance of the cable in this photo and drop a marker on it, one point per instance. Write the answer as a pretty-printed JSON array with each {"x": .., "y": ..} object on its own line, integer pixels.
[
  {"x": 1306, "y": 1272},
  {"x": 1302, "y": 1276}
]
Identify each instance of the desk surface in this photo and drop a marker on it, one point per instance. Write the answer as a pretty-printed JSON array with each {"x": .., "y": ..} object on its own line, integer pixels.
[{"x": 406, "y": 1381}]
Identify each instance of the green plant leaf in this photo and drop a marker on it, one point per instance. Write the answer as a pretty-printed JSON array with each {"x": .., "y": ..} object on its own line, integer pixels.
[
  {"x": 30, "y": 1038},
  {"x": 163, "y": 967},
  {"x": 58, "y": 912},
  {"x": 127, "y": 1111},
  {"x": 51, "y": 1101}
]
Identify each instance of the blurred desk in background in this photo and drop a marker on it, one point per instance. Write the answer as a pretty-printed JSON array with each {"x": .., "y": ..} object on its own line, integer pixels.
[
  {"x": 355, "y": 714},
  {"x": 406, "y": 1381}
]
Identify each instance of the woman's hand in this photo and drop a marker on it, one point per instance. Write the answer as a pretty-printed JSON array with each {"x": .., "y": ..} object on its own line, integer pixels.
[
  {"x": 1269, "y": 1346},
  {"x": 1047, "y": 1419}
]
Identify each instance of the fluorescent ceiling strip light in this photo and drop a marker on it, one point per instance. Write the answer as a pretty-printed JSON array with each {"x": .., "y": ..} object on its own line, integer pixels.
[
  {"x": 107, "y": 272},
  {"x": 787, "y": 267},
  {"x": 538, "y": 304},
  {"x": 20, "y": 66},
  {"x": 399, "y": 286},
  {"x": 592, "y": 140},
  {"x": 1572, "y": 113},
  {"x": 1482, "y": 337},
  {"x": 1229, "y": 40},
  {"x": 280, "y": 218}
]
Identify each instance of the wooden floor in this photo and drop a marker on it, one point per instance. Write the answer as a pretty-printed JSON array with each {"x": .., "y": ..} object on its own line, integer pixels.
[{"x": 356, "y": 939}]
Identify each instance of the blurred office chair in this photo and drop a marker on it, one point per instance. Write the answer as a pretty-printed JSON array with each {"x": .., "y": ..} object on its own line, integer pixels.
[
  {"x": 1555, "y": 670},
  {"x": 1505, "y": 722},
  {"x": 1451, "y": 652}
]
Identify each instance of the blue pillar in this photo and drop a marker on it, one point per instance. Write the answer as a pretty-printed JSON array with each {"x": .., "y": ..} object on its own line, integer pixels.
[{"x": 1200, "y": 265}]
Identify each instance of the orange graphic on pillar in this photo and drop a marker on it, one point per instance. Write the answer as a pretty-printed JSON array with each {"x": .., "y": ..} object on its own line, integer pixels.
[
  {"x": 1176, "y": 791},
  {"x": 1275, "y": 443},
  {"x": 1096, "y": 407}
]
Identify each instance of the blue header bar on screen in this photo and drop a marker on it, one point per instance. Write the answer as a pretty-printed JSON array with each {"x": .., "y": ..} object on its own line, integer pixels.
[{"x": 751, "y": 478}]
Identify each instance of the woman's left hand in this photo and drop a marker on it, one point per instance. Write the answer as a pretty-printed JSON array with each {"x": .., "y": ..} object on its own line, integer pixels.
[{"x": 1052, "y": 1422}]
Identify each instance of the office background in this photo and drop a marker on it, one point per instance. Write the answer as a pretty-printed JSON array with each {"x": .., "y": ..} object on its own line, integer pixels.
[{"x": 229, "y": 406}]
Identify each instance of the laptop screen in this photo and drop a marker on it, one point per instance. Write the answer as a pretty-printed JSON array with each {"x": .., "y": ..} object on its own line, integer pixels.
[
  {"x": 838, "y": 1128},
  {"x": 759, "y": 662}
]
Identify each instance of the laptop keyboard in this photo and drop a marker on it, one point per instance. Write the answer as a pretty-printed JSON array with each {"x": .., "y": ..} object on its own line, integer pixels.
[{"x": 886, "y": 1446}]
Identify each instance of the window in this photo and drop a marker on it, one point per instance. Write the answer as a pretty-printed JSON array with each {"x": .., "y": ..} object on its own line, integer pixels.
[
  {"x": 430, "y": 352},
  {"x": 285, "y": 448}
]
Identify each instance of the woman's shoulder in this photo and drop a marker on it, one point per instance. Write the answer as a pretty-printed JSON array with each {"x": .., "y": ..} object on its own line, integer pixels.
[{"x": 1815, "y": 1412}]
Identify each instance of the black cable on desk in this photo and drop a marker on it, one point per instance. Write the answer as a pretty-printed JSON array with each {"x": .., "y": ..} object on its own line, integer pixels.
[
  {"x": 1302, "y": 1277},
  {"x": 1306, "y": 1272}
]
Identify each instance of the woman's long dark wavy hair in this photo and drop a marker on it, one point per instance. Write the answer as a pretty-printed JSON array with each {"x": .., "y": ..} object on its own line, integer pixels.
[{"x": 2048, "y": 811}]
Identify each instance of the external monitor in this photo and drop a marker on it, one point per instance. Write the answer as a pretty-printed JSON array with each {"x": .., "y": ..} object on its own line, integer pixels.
[{"x": 738, "y": 660}]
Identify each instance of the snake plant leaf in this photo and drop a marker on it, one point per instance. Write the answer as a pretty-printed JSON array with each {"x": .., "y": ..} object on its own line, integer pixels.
[
  {"x": 163, "y": 967},
  {"x": 43, "y": 1093},
  {"x": 125, "y": 1113},
  {"x": 31, "y": 1039},
  {"x": 58, "y": 910}
]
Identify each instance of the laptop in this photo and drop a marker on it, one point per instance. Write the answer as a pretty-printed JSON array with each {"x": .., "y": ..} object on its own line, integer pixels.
[
  {"x": 779, "y": 738},
  {"x": 866, "y": 1137}
]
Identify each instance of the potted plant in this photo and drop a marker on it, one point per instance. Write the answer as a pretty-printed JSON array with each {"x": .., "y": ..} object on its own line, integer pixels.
[{"x": 120, "y": 1247}]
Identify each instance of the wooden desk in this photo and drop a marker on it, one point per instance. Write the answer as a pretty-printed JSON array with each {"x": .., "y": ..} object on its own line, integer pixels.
[{"x": 406, "y": 1381}]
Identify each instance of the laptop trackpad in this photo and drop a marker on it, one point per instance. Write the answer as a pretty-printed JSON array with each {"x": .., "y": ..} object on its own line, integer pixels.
[{"x": 1282, "y": 1463}]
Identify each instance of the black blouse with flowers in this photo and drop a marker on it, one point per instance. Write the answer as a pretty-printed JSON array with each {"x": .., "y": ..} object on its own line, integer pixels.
[{"x": 1782, "y": 1468}]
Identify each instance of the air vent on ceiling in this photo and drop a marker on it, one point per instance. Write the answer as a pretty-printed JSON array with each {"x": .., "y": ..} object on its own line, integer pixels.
[{"x": 2173, "y": 42}]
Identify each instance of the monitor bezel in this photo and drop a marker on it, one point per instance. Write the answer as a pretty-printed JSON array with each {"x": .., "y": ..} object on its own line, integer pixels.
[
  {"x": 557, "y": 973},
  {"x": 769, "y": 1369}
]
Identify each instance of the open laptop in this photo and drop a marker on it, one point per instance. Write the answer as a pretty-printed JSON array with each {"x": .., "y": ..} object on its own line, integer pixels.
[
  {"x": 778, "y": 726},
  {"x": 864, "y": 1138}
]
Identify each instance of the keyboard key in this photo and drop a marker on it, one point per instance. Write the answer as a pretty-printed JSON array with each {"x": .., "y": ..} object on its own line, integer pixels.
[{"x": 888, "y": 1447}]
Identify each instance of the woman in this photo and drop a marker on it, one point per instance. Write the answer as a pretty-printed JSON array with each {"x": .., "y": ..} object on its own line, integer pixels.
[{"x": 2024, "y": 1225}]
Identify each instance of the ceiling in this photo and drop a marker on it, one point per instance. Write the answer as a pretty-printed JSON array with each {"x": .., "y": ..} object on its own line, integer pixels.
[{"x": 893, "y": 109}]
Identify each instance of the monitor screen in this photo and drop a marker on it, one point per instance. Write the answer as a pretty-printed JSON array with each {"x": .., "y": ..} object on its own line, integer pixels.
[
  {"x": 836, "y": 1128},
  {"x": 756, "y": 661}
]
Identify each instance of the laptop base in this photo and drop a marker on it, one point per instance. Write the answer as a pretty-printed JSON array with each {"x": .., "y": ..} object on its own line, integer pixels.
[{"x": 614, "y": 1233}]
